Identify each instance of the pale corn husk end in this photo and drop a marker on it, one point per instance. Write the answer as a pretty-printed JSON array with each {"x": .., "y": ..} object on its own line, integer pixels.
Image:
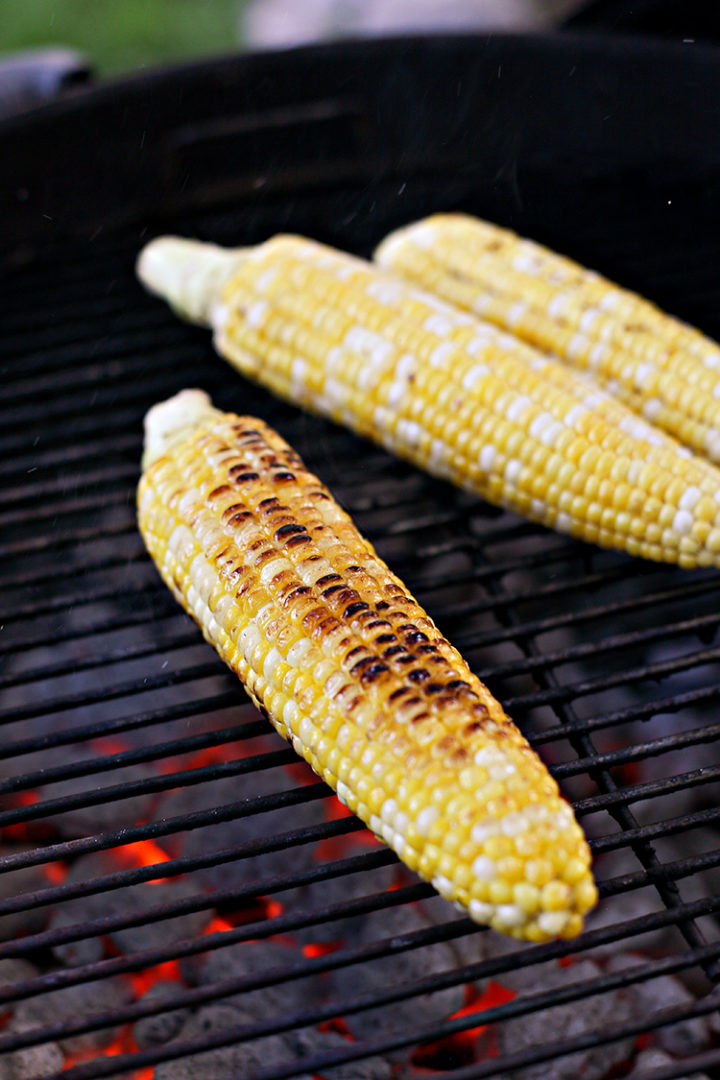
[
  {"x": 188, "y": 274},
  {"x": 172, "y": 422}
]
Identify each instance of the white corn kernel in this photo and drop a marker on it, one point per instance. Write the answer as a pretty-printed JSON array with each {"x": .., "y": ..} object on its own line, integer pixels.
[{"x": 484, "y": 869}]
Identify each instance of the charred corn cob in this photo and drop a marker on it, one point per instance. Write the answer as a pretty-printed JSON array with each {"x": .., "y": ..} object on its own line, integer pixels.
[
  {"x": 450, "y": 393},
  {"x": 661, "y": 368},
  {"x": 350, "y": 669}
]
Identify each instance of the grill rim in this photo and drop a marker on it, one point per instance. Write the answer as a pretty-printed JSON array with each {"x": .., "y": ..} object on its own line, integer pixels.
[{"x": 139, "y": 108}]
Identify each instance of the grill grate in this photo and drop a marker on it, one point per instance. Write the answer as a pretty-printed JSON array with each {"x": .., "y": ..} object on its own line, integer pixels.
[{"x": 149, "y": 818}]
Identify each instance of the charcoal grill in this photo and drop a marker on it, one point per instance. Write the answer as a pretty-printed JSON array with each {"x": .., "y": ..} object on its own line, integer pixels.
[{"x": 152, "y": 826}]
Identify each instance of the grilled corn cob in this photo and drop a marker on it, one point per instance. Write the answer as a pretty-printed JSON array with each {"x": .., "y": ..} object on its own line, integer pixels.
[
  {"x": 661, "y": 368},
  {"x": 350, "y": 669},
  {"x": 452, "y": 394}
]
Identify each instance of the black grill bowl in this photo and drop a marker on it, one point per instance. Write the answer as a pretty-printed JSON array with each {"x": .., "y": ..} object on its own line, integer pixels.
[{"x": 119, "y": 726}]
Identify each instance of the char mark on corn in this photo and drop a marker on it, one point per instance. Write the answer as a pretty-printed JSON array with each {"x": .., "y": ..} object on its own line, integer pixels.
[{"x": 351, "y": 670}]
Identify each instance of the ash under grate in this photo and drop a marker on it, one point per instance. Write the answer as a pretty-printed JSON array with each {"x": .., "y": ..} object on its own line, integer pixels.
[{"x": 181, "y": 898}]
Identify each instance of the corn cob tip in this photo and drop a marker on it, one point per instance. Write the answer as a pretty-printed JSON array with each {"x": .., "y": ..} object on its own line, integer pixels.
[
  {"x": 187, "y": 273},
  {"x": 171, "y": 422},
  {"x": 384, "y": 253}
]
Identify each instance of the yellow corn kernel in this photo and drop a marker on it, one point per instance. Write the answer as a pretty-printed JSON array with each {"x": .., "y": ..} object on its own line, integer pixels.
[
  {"x": 661, "y": 368},
  {"x": 428, "y": 381},
  {"x": 311, "y": 587}
]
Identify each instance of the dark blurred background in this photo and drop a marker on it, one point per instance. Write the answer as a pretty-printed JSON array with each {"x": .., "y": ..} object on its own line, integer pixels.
[{"x": 120, "y": 37}]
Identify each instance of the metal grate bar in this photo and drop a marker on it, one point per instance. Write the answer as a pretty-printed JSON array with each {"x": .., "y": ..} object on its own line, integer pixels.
[
  {"x": 111, "y": 762},
  {"x": 87, "y": 566},
  {"x": 520, "y": 1006},
  {"x": 183, "y": 778},
  {"x": 25, "y": 612},
  {"x": 86, "y": 428},
  {"x": 655, "y": 831},
  {"x": 126, "y": 654},
  {"x": 104, "y": 624},
  {"x": 644, "y": 711},
  {"x": 632, "y": 793},
  {"x": 85, "y": 451},
  {"x": 58, "y": 486},
  {"x": 97, "y": 359},
  {"x": 31, "y": 344},
  {"x": 670, "y": 873},
  {"x": 214, "y": 666},
  {"x": 551, "y": 1051},
  {"x": 348, "y": 955},
  {"x": 583, "y": 746},
  {"x": 160, "y": 751},
  {"x": 84, "y": 597},
  {"x": 119, "y": 690},
  {"x": 62, "y": 538},
  {"x": 59, "y": 411},
  {"x": 623, "y": 755},
  {"x": 221, "y": 899},
  {"x": 587, "y": 581},
  {"x": 224, "y": 898},
  {"x": 646, "y": 672},
  {"x": 150, "y": 831},
  {"x": 604, "y": 611},
  {"x": 134, "y": 720},
  {"x": 52, "y": 511},
  {"x": 549, "y": 660}
]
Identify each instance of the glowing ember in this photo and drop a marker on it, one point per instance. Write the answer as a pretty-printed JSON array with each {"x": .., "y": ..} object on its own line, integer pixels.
[
  {"x": 141, "y": 853},
  {"x": 142, "y": 981},
  {"x": 210, "y": 755},
  {"x": 493, "y": 994},
  {"x": 334, "y": 809},
  {"x": 628, "y": 773},
  {"x": 124, "y": 1043},
  {"x": 338, "y": 1025},
  {"x": 107, "y": 745},
  {"x": 218, "y": 926},
  {"x": 321, "y": 948},
  {"x": 464, "y": 1047},
  {"x": 56, "y": 872},
  {"x": 338, "y": 847},
  {"x": 273, "y": 908},
  {"x": 23, "y": 832}
]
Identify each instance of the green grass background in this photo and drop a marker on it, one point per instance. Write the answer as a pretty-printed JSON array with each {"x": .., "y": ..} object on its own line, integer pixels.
[{"x": 123, "y": 35}]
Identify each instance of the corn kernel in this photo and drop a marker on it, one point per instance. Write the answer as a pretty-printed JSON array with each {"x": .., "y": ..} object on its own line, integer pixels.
[
  {"x": 527, "y": 897},
  {"x": 538, "y": 871},
  {"x": 555, "y": 896}
]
